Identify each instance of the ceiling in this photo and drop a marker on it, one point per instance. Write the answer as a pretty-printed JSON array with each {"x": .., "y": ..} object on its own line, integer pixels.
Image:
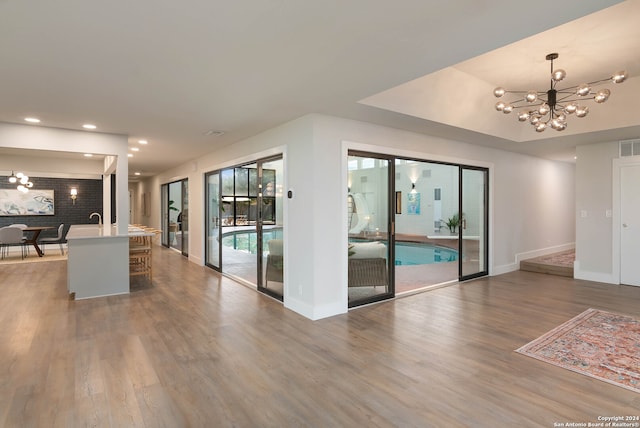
[{"x": 171, "y": 73}]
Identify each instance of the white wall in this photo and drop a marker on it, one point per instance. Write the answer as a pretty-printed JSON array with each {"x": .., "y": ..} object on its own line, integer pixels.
[{"x": 532, "y": 200}]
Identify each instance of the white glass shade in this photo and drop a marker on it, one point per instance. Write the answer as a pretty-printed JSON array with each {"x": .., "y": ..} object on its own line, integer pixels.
[
  {"x": 558, "y": 124},
  {"x": 523, "y": 116},
  {"x": 570, "y": 108},
  {"x": 582, "y": 111},
  {"x": 498, "y": 92},
  {"x": 531, "y": 96},
  {"x": 544, "y": 109},
  {"x": 602, "y": 95},
  {"x": 500, "y": 105},
  {"x": 558, "y": 75},
  {"x": 583, "y": 90},
  {"x": 619, "y": 77},
  {"x": 508, "y": 108},
  {"x": 541, "y": 126}
]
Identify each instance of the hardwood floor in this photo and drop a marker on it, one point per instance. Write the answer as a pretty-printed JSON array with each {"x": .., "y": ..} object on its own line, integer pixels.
[{"x": 196, "y": 349}]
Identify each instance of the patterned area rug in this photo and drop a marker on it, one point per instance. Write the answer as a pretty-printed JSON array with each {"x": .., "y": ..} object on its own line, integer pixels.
[{"x": 596, "y": 343}]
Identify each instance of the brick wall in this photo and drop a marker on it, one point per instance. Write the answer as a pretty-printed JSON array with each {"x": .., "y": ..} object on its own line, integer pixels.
[{"x": 89, "y": 200}]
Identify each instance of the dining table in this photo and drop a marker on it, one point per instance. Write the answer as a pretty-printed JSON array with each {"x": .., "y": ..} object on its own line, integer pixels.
[{"x": 32, "y": 238}]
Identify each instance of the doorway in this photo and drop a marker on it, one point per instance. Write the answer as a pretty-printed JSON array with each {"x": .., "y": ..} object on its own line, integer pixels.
[
  {"x": 629, "y": 225},
  {"x": 175, "y": 219}
]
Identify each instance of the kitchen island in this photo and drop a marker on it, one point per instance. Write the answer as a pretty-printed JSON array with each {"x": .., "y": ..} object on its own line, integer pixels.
[{"x": 98, "y": 260}]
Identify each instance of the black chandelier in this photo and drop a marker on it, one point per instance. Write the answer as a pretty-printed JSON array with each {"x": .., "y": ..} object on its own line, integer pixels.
[{"x": 551, "y": 108}]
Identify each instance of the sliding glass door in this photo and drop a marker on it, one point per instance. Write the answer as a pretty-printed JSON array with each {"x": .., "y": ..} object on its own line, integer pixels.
[
  {"x": 426, "y": 232},
  {"x": 175, "y": 219},
  {"x": 473, "y": 233},
  {"x": 271, "y": 176},
  {"x": 213, "y": 211},
  {"x": 370, "y": 248},
  {"x": 412, "y": 225},
  {"x": 244, "y": 224}
]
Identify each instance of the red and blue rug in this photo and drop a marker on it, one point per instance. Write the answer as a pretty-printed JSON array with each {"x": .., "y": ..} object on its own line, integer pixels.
[{"x": 596, "y": 343}]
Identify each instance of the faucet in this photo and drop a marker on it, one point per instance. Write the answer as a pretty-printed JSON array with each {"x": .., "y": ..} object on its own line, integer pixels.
[{"x": 99, "y": 217}]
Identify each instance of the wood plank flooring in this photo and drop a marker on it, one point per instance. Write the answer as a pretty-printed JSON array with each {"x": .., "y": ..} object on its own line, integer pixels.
[{"x": 198, "y": 350}]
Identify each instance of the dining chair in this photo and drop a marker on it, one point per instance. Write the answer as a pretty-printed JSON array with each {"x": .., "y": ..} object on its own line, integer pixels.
[
  {"x": 24, "y": 237},
  {"x": 11, "y": 236},
  {"x": 55, "y": 239}
]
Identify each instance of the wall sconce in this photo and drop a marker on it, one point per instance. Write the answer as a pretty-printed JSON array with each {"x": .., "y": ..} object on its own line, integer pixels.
[
  {"x": 74, "y": 194},
  {"x": 413, "y": 188}
]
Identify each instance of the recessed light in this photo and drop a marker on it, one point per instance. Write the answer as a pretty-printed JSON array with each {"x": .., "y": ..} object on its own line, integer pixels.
[
  {"x": 32, "y": 119},
  {"x": 136, "y": 173},
  {"x": 135, "y": 149},
  {"x": 214, "y": 133},
  {"x": 89, "y": 126},
  {"x": 143, "y": 142},
  {"x": 129, "y": 155},
  {"x": 88, "y": 155}
]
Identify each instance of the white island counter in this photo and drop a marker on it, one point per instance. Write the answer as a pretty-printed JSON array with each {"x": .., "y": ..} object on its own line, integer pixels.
[{"x": 98, "y": 260}]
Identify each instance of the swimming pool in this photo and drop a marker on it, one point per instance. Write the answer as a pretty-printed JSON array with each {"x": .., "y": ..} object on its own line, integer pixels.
[
  {"x": 420, "y": 253},
  {"x": 407, "y": 253},
  {"x": 247, "y": 240},
  {"x": 413, "y": 253}
]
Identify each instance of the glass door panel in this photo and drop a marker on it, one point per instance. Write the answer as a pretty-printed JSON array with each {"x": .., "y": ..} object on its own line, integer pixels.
[
  {"x": 426, "y": 249},
  {"x": 214, "y": 212},
  {"x": 271, "y": 224},
  {"x": 183, "y": 219},
  {"x": 369, "y": 239},
  {"x": 165, "y": 215},
  {"x": 473, "y": 227},
  {"x": 240, "y": 248},
  {"x": 175, "y": 210}
]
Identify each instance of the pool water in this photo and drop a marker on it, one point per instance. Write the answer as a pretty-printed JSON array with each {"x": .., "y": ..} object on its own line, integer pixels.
[
  {"x": 409, "y": 253},
  {"x": 420, "y": 253},
  {"x": 247, "y": 241}
]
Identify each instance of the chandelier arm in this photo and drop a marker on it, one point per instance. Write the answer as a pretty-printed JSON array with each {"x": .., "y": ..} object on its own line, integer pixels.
[
  {"x": 526, "y": 104},
  {"x": 579, "y": 99},
  {"x": 573, "y": 88},
  {"x": 520, "y": 92},
  {"x": 569, "y": 94}
]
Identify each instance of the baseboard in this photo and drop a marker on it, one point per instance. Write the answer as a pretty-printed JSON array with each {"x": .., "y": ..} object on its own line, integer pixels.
[
  {"x": 499, "y": 270},
  {"x": 607, "y": 278},
  {"x": 313, "y": 312},
  {"x": 196, "y": 260}
]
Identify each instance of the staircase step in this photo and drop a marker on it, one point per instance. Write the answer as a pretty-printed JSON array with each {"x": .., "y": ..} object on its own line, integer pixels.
[{"x": 560, "y": 264}]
